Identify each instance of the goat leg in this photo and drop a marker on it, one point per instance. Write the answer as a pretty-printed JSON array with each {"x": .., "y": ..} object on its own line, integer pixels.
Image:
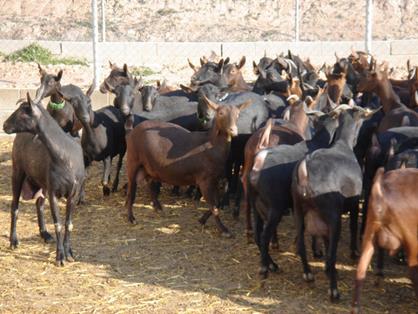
[
  {"x": 53, "y": 203},
  {"x": 154, "y": 187},
  {"x": 267, "y": 263},
  {"x": 40, "y": 205},
  {"x": 68, "y": 229},
  {"x": 107, "y": 163},
  {"x": 119, "y": 166},
  {"x": 17, "y": 183},
  {"x": 331, "y": 271},
  {"x": 209, "y": 191},
  {"x": 354, "y": 229}
]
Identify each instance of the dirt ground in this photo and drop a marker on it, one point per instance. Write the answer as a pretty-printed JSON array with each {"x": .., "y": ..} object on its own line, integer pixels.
[{"x": 168, "y": 263}]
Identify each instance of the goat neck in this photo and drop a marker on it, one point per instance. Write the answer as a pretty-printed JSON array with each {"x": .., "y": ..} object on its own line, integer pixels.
[
  {"x": 347, "y": 131},
  {"x": 52, "y": 136},
  {"x": 387, "y": 95}
]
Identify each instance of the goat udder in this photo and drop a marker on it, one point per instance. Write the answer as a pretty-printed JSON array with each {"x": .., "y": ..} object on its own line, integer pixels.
[
  {"x": 314, "y": 224},
  {"x": 387, "y": 240}
]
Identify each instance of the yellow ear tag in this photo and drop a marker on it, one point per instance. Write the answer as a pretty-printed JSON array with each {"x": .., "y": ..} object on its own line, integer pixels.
[{"x": 229, "y": 137}]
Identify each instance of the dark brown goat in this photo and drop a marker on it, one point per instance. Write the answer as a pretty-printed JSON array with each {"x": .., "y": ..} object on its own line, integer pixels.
[
  {"x": 166, "y": 152},
  {"x": 117, "y": 76},
  {"x": 392, "y": 221},
  {"x": 58, "y": 108}
]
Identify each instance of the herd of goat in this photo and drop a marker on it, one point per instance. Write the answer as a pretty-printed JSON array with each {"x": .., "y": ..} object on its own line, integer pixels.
[{"x": 293, "y": 140}]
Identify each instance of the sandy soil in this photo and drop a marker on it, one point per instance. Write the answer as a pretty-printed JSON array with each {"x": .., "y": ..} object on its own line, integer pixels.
[{"x": 168, "y": 263}]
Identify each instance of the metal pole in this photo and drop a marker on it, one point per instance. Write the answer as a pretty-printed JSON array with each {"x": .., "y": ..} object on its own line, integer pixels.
[
  {"x": 95, "y": 41},
  {"x": 369, "y": 22},
  {"x": 103, "y": 20},
  {"x": 297, "y": 6}
]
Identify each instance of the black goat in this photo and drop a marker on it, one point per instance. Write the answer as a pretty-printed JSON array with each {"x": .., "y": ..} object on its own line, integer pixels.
[
  {"x": 49, "y": 162},
  {"x": 269, "y": 185},
  {"x": 103, "y": 134},
  {"x": 325, "y": 184}
]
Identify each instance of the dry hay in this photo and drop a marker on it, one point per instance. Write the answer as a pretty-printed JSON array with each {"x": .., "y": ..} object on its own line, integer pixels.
[{"x": 168, "y": 264}]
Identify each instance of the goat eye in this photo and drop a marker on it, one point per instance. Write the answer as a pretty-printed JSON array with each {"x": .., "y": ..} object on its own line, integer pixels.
[{"x": 50, "y": 83}]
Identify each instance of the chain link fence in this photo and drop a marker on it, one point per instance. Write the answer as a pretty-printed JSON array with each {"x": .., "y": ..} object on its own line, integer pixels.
[{"x": 156, "y": 37}]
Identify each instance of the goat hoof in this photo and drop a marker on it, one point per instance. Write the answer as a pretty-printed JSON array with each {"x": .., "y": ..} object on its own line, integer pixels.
[
  {"x": 308, "y": 277},
  {"x": 47, "y": 237},
  {"x": 14, "y": 243},
  {"x": 132, "y": 220},
  {"x": 59, "y": 261},
  {"x": 273, "y": 267},
  {"x": 334, "y": 295},
  {"x": 263, "y": 273},
  {"x": 106, "y": 190},
  {"x": 355, "y": 309}
]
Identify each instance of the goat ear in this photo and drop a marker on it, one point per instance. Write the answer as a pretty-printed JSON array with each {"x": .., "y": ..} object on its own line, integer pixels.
[
  {"x": 354, "y": 53},
  {"x": 244, "y": 105},
  {"x": 90, "y": 90},
  {"x": 125, "y": 70},
  {"x": 289, "y": 54},
  {"x": 212, "y": 105},
  {"x": 191, "y": 65},
  {"x": 111, "y": 64},
  {"x": 220, "y": 66},
  {"x": 138, "y": 84},
  {"x": 35, "y": 109},
  {"x": 336, "y": 57},
  {"x": 286, "y": 114},
  {"x": 158, "y": 83},
  {"x": 203, "y": 61},
  {"x": 255, "y": 68},
  {"x": 59, "y": 76},
  {"x": 187, "y": 89},
  {"x": 227, "y": 60},
  {"x": 42, "y": 72},
  {"x": 408, "y": 66},
  {"x": 241, "y": 62}
]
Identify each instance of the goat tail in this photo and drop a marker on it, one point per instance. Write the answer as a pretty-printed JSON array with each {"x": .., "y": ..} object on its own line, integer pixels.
[
  {"x": 377, "y": 181},
  {"x": 265, "y": 136},
  {"x": 302, "y": 178}
]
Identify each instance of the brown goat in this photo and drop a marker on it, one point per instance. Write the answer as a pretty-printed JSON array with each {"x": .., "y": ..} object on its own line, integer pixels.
[
  {"x": 233, "y": 76},
  {"x": 166, "y": 152},
  {"x": 396, "y": 113},
  {"x": 392, "y": 221}
]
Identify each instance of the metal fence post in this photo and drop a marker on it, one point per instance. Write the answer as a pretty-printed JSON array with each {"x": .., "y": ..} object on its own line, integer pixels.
[
  {"x": 369, "y": 21},
  {"x": 95, "y": 41},
  {"x": 297, "y": 6},
  {"x": 103, "y": 20}
]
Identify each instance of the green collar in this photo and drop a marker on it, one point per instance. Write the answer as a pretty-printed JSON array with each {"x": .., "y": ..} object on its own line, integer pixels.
[{"x": 56, "y": 106}]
